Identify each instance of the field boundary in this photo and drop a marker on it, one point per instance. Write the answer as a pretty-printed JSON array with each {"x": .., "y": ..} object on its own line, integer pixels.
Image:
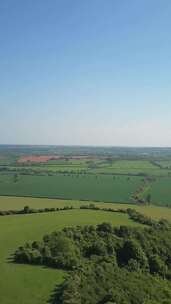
[{"x": 70, "y": 199}]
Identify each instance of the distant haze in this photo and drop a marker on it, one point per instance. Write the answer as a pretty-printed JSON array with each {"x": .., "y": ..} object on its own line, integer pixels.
[{"x": 85, "y": 72}]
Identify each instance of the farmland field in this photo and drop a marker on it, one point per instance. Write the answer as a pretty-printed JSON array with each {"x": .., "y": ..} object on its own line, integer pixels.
[
  {"x": 165, "y": 164},
  {"x": 18, "y": 203},
  {"x": 28, "y": 284},
  {"x": 161, "y": 191},
  {"x": 98, "y": 178},
  {"x": 132, "y": 167},
  {"x": 94, "y": 166},
  {"x": 132, "y": 164},
  {"x": 104, "y": 181},
  {"x": 86, "y": 187}
]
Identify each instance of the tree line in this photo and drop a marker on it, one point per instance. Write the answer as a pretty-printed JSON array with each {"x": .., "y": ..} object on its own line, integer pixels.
[{"x": 28, "y": 210}]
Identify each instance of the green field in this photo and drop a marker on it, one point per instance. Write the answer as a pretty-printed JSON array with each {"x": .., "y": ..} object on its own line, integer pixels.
[
  {"x": 86, "y": 187},
  {"x": 47, "y": 168},
  {"x": 23, "y": 284},
  {"x": 133, "y": 167},
  {"x": 165, "y": 164},
  {"x": 94, "y": 165},
  {"x": 161, "y": 191},
  {"x": 132, "y": 164},
  {"x": 24, "y": 281},
  {"x": 98, "y": 178},
  {"x": 18, "y": 203}
]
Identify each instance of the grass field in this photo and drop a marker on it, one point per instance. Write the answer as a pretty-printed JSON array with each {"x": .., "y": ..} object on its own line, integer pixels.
[
  {"x": 155, "y": 212},
  {"x": 161, "y": 191},
  {"x": 23, "y": 284},
  {"x": 88, "y": 187},
  {"x": 17, "y": 203}
]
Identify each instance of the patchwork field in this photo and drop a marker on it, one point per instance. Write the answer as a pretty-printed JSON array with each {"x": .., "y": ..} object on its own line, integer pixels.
[
  {"x": 117, "y": 181},
  {"x": 23, "y": 284},
  {"x": 85, "y": 187},
  {"x": 143, "y": 167},
  {"x": 88, "y": 165}
]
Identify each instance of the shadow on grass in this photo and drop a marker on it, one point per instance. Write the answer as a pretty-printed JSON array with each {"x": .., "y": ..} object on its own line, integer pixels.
[
  {"x": 11, "y": 259},
  {"x": 55, "y": 297}
]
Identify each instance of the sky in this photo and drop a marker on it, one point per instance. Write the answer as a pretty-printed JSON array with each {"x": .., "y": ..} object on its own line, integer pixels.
[{"x": 94, "y": 72}]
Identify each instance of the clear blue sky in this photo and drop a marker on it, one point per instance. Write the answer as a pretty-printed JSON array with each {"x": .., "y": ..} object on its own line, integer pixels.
[{"x": 86, "y": 72}]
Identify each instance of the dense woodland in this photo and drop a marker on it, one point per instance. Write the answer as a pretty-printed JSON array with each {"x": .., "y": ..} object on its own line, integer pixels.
[{"x": 106, "y": 264}]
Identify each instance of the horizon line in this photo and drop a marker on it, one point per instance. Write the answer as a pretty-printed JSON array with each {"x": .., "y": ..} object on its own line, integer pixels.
[{"x": 89, "y": 146}]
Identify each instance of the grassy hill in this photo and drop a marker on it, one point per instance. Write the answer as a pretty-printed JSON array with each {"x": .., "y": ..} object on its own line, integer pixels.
[{"x": 22, "y": 283}]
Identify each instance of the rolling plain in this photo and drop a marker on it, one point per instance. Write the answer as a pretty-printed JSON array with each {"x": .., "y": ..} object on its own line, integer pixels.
[{"x": 138, "y": 183}]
